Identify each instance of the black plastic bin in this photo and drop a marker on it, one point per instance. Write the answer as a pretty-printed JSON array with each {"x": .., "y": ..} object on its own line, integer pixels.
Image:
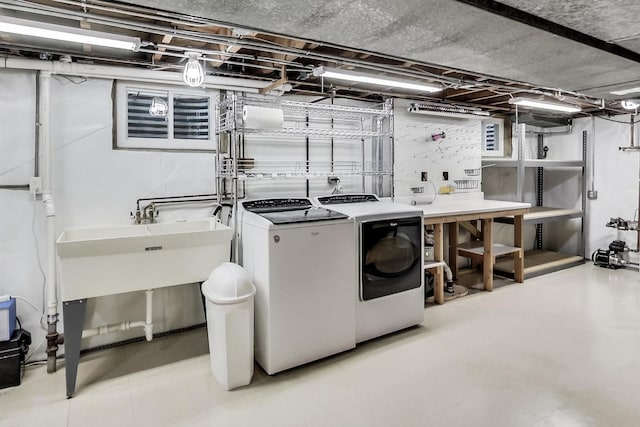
[{"x": 12, "y": 354}]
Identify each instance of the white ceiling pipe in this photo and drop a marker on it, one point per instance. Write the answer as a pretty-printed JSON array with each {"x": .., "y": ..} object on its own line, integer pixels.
[{"x": 128, "y": 73}]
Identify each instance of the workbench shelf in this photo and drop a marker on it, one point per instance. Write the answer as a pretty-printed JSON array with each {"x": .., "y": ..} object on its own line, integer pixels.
[
  {"x": 542, "y": 214},
  {"x": 540, "y": 261}
]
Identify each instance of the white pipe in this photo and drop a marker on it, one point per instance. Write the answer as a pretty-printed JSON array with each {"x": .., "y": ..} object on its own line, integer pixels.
[
  {"x": 107, "y": 329},
  {"x": 447, "y": 271},
  {"x": 148, "y": 327},
  {"x": 126, "y": 325},
  {"x": 47, "y": 196},
  {"x": 44, "y": 144},
  {"x": 128, "y": 73},
  {"x": 593, "y": 154}
]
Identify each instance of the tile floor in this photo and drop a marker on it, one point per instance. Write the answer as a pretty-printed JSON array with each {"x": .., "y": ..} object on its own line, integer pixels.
[{"x": 559, "y": 350}]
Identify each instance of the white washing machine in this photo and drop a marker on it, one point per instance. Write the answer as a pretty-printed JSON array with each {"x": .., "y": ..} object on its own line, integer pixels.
[
  {"x": 389, "y": 285},
  {"x": 303, "y": 261}
]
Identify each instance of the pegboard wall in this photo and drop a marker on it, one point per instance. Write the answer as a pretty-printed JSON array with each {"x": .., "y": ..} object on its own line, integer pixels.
[{"x": 444, "y": 150}]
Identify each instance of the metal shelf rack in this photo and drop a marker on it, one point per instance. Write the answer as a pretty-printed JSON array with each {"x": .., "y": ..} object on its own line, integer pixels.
[
  {"x": 311, "y": 124},
  {"x": 540, "y": 261}
]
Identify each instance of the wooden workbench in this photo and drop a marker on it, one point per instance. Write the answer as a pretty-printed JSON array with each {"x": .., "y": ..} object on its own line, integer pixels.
[{"x": 452, "y": 210}]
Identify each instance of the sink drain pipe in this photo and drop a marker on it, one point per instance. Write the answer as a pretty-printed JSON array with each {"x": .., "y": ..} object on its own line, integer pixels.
[
  {"x": 44, "y": 143},
  {"x": 125, "y": 326}
]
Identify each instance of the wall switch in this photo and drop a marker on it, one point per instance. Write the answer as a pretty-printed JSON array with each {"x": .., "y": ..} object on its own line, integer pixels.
[
  {"x": 592, "y": 194},
  {"x": 333, "y": 180},
  {"x": 35, "y": 185}
]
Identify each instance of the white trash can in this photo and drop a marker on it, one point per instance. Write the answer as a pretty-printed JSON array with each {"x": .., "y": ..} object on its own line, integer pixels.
[{"x": 229, "y": 293}]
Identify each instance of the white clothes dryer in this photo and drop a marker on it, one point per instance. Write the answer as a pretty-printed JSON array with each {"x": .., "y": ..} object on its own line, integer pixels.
[
  {"x": 302, "y": 259},
  {"x": 390, "y": 252}
]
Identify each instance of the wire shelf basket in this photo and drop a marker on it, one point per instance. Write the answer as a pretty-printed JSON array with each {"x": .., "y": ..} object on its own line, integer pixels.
[
  {"x": 472, "y": 172},
  {"x": 466, "y": 184}
]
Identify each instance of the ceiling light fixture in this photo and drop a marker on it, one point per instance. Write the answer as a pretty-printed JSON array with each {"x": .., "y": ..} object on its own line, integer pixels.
[
  {"x": 193, "y": 74},
  {"x": 434, "y": 108},
  {"x": 544, "y": 105},
  {"x": 630, "y": 104},
  {"x": 44, "y": 30},
  {"x": 333, "y": 73},
  {"x": 626, "y": 91}
]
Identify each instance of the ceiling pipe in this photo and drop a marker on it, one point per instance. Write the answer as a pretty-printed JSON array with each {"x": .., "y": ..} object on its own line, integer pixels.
[{"x": 127, "y": 73}]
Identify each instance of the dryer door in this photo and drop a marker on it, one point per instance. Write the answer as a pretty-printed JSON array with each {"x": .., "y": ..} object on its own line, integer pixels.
[{"x": 391, "y": 256}]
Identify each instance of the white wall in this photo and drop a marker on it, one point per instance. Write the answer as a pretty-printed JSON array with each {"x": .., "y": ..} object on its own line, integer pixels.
[
  {"x": 96, "y": 185},
  {"x": 615, "y": 175},
  {"x": 415, "y": 151},
  {"x": 92, "y": 185}
]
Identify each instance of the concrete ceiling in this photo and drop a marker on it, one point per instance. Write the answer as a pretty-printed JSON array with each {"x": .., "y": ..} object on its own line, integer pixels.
[
  {"x": 457, "y": 34},
  {"x": 481, "y": 52}
]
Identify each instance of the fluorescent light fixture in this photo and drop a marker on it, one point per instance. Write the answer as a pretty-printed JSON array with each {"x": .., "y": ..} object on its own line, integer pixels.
[
  {"x": 626, "y": 91},
  {"x": 193, "y": 74},
  {"x": 434, "y": 108},
  {"x": 44, "y": 30},
  {"x": 545, "y": 105},
  {"x": 630, "y": 104},
  {"x": 333, "y": 73}
]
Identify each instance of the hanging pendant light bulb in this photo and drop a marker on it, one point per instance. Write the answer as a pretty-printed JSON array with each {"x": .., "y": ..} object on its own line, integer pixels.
[
  {"x": 193, "y": 74},
  {"x": 630, "y": 104}
]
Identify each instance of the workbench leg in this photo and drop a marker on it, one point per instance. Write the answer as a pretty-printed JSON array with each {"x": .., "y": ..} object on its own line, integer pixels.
[
  {"x": 438, "y": 255},
  {"x": 518, "y": 230},
  {"x": 487, "y": 258},
  {"x": 475, "y": 264},
  {"x": 453, "y": 246},
  {"x": 73, "y": 312}
]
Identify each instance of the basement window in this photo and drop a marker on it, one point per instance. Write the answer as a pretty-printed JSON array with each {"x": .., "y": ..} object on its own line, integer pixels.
[{"x": 155, "y": 117}]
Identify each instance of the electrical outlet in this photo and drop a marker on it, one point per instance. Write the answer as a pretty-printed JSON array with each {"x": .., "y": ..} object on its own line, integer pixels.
[
  {"x": 35, "y": 185},
  {"x": 445, "y": 176},
  {"x": 424, "y": 176},
  {"x": 592, "y": 194},
  {"x": 333, "y": 180}
]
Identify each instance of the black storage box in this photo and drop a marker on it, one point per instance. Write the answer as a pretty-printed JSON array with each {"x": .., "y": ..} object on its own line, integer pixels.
[{"x": 12, "y": 354}]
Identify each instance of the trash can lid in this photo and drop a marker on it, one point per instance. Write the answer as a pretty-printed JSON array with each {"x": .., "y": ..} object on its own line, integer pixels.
[{"x": 228, "y": 283}]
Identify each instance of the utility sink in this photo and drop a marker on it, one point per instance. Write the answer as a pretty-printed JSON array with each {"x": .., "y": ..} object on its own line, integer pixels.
[{"x": 96, "y": 261}]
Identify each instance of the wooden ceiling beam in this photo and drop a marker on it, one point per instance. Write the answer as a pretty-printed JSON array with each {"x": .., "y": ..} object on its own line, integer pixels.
[
  {"x": 86, "y": 26},
  {"x": 166, "y": 39}
]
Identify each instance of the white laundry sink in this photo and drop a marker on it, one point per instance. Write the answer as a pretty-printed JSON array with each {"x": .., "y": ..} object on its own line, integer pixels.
[{"x": 96, "y": 261}]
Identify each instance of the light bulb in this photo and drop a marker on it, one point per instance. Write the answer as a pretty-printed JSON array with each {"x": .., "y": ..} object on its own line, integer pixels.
[
  {"x": 630, "y": 104},
  {"x": 158, "y": 107},
  {"x": 193, "y": 74}
]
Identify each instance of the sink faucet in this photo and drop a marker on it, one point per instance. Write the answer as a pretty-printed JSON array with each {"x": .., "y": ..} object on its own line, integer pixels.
[{"x": 147, "y": 215}]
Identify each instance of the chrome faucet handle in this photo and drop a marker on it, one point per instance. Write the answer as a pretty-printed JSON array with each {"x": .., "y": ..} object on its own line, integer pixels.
[{"x": 136, "y": 218}]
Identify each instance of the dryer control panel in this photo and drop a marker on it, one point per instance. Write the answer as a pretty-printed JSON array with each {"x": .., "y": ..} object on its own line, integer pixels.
[{"x": 347, "y": 198}]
